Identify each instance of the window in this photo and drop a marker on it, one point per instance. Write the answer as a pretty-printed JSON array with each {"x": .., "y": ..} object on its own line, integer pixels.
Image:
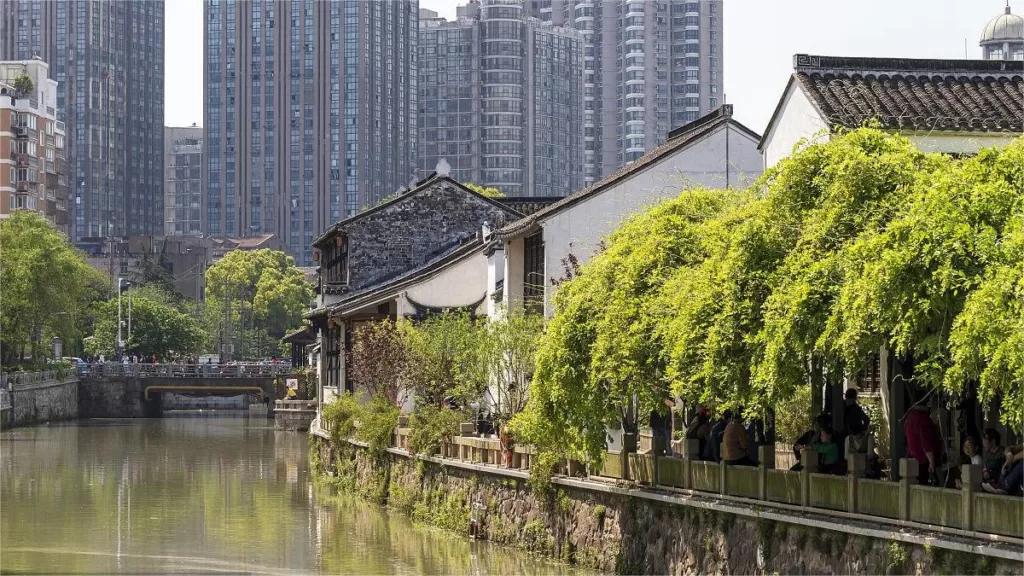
[{"x": 533, "y": 273}]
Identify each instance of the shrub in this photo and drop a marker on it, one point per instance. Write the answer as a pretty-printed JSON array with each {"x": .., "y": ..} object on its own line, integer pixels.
[
  {"x": 377, "y": 421},
  {"x": 430, "y": 426},
  {"x": 340, "y": 417}
]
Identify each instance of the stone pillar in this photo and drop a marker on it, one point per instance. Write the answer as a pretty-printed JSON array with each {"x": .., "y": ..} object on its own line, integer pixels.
[
  {"x": 908, "y": 477},
  {"x": 691, "y": 453},
  {"x": 970, "y": 480},
  {"x": 629, "y": 445},
  {"x": 809, "y": 462},
  {"x": 765, "y": 462},
  {"x": 723, "y": 470},
  {"x": 856, "y": 464}
]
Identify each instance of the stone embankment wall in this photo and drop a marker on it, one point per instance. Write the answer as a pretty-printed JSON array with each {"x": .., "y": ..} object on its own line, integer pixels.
[
  {"x": 617, "y": 532},
  {"x": 45, "y": 402}
]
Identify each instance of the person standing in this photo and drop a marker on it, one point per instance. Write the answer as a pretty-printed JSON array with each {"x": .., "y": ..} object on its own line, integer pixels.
[{"x": 922, "y": 442}]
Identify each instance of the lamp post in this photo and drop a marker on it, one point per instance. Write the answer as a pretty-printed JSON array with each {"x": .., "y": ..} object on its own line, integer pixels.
[{"x": 120, "y": 343}]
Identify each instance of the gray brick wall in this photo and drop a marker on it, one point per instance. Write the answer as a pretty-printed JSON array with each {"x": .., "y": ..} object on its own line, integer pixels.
[{"x": 412, "y": 231}]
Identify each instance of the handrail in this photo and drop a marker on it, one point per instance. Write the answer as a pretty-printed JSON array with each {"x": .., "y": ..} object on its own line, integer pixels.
[{"x": 242, "y": 370}]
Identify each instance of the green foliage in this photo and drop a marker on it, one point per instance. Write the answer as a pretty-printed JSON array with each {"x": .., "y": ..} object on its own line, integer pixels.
[
  {"x": 897, "y": 558},
  {"x": 340, "y": 418},
  {"x": 794, "y": 415},
  {"x": 377, "y": 421},
  {"x": 261, "y": 293},
  {"x": 602, "y": 348},
  {"x": 599, "y": 512},
  {"x": 509, "y": 347},
  {"x": 23, "y": 86},
  {"x": 155, "y": 272},
  {"x": 48, "y": 288},
  {"x": 488, "y": 192},
  {"x": 378, "y": 359},
  {"x": 158, "y": 328},
  {"x": 430, "y": 425},
  {"x": 445, "y": 359},
  {"x": 741, "y": 299}
]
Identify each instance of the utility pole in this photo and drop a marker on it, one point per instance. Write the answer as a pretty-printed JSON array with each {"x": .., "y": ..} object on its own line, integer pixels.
[{"x": 129, "y": 315}]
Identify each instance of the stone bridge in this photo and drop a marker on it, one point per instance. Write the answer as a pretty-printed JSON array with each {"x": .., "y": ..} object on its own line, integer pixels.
[{"x": 131, "y": 390}]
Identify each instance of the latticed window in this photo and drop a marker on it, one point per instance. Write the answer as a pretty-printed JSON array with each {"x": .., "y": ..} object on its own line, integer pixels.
[
  {"x": 533, "y": 273},
  {"x": 332, "y": 353}
]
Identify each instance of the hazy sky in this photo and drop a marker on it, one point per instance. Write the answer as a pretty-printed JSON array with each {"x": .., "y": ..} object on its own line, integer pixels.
[{"x": 761, "y": 37}]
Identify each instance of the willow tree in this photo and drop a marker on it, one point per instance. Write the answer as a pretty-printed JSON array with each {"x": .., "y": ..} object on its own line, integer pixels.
[
  {"x": 836, "y": 194},
  {"x": 599, "y": 363},
  {"x": 931, "y": 284}
]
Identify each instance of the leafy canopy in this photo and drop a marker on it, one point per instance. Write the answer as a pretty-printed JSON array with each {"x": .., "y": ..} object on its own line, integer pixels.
[
  {"x": 47, "y": 287},
  {"x": 739, "y": 298}
]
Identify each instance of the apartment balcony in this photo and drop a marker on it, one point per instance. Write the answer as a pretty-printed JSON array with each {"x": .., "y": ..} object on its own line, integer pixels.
[{"x": 22, "y": 160}]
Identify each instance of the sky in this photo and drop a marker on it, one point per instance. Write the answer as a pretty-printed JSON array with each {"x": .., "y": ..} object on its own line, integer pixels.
[{"x": 761, "y": 37}]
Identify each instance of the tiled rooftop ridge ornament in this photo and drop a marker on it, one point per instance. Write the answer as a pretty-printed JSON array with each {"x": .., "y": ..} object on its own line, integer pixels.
[{"x": 443, "y": 169}]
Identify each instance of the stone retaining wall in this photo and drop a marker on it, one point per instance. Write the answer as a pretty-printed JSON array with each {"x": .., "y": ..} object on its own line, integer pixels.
[
  {"x": 612, "y": 530},
  {"x": 45, "y": 402}
]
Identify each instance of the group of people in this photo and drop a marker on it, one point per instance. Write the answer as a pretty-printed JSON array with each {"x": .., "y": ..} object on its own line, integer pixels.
[
  {"x": 1002, "y": 468},
  {"x": 728, "y": 438},
  {"x": 734, "y": 441}
]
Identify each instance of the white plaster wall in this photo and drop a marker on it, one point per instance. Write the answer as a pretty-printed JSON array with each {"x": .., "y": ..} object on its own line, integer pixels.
[
  {"x": 797, "y": 119},
  {"x": 959, "y": 143},
  {"x": 495, "y": 274},
  {"x": 460, "y": 285},
  {"x": 514, "y": 262},
  {"x": 580, "y": 228}
]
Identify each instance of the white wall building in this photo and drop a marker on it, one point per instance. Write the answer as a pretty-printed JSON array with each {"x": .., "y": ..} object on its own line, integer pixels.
[
  {"x": 951, "y": 106},
  {"x": 715, "y": 151}
]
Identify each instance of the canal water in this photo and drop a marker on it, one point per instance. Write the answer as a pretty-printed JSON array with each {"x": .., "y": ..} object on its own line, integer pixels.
[{"x": 195, "y": 493}]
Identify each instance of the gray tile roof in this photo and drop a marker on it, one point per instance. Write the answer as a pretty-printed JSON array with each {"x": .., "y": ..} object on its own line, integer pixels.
[{"x": 909, "y": 94}]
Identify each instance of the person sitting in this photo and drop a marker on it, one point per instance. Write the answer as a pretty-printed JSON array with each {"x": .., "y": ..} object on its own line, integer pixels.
[
  {"x": 828, "y": 451},
  {"x": 807, "y": 438},
  {"x": 992, "y": 455},
  {"x": 714, "y": 444},
  {"x": 735, "y": 443},
  {"x": 1012, "y": 473},
  {"x": 698, "y": 429},
  {"x": 973, "y": 456}
]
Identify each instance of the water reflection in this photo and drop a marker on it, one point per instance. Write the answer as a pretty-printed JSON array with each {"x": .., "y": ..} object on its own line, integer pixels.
[{"x": 203, "y": 494}]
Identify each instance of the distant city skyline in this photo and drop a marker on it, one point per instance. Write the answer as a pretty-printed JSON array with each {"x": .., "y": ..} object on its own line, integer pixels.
[{"x": 760, "y": 41}]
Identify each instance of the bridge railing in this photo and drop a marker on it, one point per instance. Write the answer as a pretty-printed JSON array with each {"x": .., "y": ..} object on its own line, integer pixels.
[
  {"x": 239, "y": 370},
  {"x": 21, "y": 380}
]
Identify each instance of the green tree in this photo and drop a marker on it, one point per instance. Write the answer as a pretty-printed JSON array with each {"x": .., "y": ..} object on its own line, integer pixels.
[
  {"x": 600, "y": 363},
  {"x": 379, "y": 360},
  {"x": 488, "y": 192},
  {"x": 257, "y": 296},
  {"x": 47, "y": 287},
  {"x": 158, "y": 328},
  {"x": 23, "y": 86},
  {"x": 445, "y": 359},
  {"x": 510, "y": 350}
]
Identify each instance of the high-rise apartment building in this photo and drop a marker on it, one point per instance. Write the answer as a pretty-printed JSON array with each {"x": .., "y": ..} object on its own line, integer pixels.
[
  {"x": 32, "y": 144},
  {"x": 501, "y": 99},
  {"x": 649, "y": 67},
  {"x": 310, "y": 113},
  {"x": 108, "y": 61},
  {"x": 183, "y": 180}
]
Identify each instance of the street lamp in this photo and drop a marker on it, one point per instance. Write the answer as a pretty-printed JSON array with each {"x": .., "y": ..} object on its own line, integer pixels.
[{"x": 120, "y": 341}]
